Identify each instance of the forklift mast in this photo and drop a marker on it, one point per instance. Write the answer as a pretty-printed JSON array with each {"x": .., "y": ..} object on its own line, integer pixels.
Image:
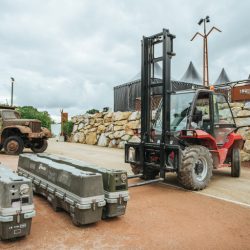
[{"x": 165, "y": 40}]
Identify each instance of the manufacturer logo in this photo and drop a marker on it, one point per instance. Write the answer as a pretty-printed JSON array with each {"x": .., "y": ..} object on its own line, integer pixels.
[
  {"x": 245, "y": 91},
  {"x": 41, "y": 167}
]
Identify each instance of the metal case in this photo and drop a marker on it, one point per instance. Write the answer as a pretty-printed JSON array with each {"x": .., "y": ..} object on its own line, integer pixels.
[
  {"x": 16, "y": 205},
  {"x": 115, "y": 184},
  {"x": 78, "y": 192}
]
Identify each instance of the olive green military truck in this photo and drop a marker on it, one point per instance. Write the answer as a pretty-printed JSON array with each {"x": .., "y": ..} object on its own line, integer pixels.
[{"x": 17, "y": 134}]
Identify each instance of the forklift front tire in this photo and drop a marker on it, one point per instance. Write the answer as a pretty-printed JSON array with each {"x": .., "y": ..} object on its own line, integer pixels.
[{"x": 196, "y": 169}]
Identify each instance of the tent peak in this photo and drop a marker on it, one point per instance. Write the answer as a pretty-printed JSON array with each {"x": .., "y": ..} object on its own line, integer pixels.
[
  {"x": 222, "y": 78},
  {"x": 191, "y": 75}
]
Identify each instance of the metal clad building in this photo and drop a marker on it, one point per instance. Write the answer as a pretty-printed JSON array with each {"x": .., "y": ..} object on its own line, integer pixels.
[{"x": 125, "y": 95}]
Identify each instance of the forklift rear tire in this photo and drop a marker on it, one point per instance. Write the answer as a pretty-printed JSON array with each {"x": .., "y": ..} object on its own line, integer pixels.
[
  {"x": 235, "y": 163},
  {"x": 149, "y": 174},
  {"x": 196, "y": 169},
  {"x": 136, "y": 169}
]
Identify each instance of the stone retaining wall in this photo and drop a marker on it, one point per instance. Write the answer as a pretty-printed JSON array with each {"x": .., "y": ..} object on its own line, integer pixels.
[{"x": 114, "y": 129}]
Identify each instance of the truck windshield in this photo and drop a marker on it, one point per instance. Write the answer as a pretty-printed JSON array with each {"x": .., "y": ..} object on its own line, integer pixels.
[
  {"x": 180, "y": 107},
  {"x": 10, "y": 115}
]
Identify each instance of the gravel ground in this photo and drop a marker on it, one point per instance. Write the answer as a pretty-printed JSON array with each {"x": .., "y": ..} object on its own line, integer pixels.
[{"x": 158, "y": 216}]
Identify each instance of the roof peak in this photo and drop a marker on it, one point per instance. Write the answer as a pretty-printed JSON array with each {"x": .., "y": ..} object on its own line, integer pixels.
[
  {"x": 222, "y": 78},
  {"x": 191, "y": 75}
]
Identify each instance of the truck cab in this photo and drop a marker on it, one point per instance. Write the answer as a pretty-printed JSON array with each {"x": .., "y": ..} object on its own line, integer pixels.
[{"x": 17, "y": 134}]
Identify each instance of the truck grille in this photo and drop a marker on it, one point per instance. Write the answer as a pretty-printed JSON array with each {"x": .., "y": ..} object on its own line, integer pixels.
[{"x": 35, "y": 127}]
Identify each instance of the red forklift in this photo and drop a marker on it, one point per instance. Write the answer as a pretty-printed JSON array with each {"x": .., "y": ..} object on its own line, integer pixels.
[{"x": 191, "y": 133}]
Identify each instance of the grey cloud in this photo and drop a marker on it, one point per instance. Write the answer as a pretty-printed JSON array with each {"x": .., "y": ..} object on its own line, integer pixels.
[{"x": 70, "y": 54}]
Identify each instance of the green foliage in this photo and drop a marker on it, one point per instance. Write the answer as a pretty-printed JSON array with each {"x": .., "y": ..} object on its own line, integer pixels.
[
  {"x": 29, "y": 112},
  {"x": 92, "y": 111},
  {"x": 68, "y": 128}
]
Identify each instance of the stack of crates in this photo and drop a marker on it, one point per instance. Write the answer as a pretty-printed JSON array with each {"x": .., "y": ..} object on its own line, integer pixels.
[
  {"x": 78, "y": 192},
  {"x": 115, "y": 183},
  {"x": 16, "y": 205}
]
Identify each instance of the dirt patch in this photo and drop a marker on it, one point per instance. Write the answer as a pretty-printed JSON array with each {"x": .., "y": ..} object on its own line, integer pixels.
[{"x": 158, "y": 217}]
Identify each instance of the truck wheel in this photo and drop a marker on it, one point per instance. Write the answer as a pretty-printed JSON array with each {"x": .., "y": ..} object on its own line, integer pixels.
[
  {"x": 13, "y": 145},
  {"x": 39, "y": 146},
  {"x": 235, "y": 163},
  {"x": 196, "y": 169}
]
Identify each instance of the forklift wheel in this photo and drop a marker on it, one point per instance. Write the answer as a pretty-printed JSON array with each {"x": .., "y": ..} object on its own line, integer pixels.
[
  {"x": 136, "y": 169},
  {"x": 196, "y": 169},
  {"x": 235, "y": 163},
  {"x": 150, "y": 175}
]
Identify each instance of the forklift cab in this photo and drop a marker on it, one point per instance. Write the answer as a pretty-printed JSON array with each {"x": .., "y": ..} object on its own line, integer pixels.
[{"x": 200, "y": 109}]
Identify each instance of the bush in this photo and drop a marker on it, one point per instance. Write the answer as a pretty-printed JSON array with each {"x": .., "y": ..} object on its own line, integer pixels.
[
  {"x": 68, "y": 128},
  {"x": 29, "y": 112},
  {"x": 92, "y": 111}
]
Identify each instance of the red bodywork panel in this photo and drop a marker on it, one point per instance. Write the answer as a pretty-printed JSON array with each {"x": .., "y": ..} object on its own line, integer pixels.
[{"x": 209, "y": 141}]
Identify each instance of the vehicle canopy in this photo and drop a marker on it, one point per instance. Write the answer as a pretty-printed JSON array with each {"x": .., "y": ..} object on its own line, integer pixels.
[{"x": 196, "y": 109}]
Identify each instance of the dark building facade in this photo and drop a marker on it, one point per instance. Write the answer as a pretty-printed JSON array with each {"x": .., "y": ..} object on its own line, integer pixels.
[{"x": 127, "y": 96}]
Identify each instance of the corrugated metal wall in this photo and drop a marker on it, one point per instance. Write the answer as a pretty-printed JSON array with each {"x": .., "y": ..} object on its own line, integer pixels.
[{"x": 126, "y": 94}]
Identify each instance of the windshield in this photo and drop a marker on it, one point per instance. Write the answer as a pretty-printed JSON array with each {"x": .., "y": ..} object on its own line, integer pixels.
[
  {"x": 10, "y": 115},
  {"x": 180, "y": 106}
]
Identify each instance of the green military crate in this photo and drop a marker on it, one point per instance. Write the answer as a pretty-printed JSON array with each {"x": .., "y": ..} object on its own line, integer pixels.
[
  {"x": 16, "y": 205},
  {"x": 115, "y": 183},
  {"x": 78, "y": 192}
]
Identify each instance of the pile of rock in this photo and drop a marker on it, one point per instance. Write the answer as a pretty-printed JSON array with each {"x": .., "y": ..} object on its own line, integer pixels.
[
  {"x": 241, "y": 113},
  {"x": 111, "y": 129},
  {"x": 114, "y": 129}
]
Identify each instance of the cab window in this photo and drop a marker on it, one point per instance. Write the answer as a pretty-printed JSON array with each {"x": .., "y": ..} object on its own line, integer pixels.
[
  {"x": 201, "y": 114},
  {"x": 222, "y": 111}
]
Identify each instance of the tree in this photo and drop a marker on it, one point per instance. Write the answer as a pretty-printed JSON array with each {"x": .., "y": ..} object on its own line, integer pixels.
[
  {"x": 92, "y": 111},
  {"x": 29, "y": 112},
  {"x": 68, "y": 128}
]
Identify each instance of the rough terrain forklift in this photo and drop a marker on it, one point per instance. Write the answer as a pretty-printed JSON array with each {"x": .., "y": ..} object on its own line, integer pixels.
[{"x": 192, "y": 132}]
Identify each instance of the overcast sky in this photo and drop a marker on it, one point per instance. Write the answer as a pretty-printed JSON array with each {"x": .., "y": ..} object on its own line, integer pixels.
[{"x": 70, "y": 54}]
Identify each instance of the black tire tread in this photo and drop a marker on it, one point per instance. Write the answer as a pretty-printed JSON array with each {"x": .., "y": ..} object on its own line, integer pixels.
[
  {"x": 20, "y": 142},
  {"x": 185, "y": 176},
  {"x": 236, "y": 163},
  {"x": 42, "y": 149}
]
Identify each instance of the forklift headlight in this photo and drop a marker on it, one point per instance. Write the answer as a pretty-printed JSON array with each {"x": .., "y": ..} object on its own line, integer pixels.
[{"x": 131, "y": 154}]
